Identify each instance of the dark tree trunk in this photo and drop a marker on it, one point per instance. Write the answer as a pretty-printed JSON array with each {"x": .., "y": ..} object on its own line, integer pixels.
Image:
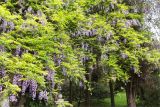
[
  {"x": 70, "y": 91},
  {"x": 88, "y": 96},
  {"x": 88, "y": 100},
  {"x": 142, "y": 93},
  {"x": 80, "y": 95},
  {"x": 131, "y": 94},
  {"x": 112, "y": 94},
  {"x": 22, "y": 101}
]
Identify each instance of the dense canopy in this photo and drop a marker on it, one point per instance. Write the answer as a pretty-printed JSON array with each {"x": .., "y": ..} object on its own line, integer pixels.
[{"x": 56, "y": 52}]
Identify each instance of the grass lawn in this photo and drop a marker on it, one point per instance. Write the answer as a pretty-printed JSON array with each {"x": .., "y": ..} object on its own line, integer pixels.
[{"x": 120, "y": 100}]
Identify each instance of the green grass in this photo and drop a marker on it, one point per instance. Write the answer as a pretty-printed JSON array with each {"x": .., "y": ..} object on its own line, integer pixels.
[{"x": 120, "y": 101}]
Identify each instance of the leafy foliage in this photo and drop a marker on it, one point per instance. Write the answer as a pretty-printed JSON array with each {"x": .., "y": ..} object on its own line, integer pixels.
[{"x": 43, "y": 44}]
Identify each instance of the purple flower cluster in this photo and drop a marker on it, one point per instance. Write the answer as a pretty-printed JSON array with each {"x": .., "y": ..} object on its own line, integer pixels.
[
  {"x": 58, "y": 58},
  {"x": 88, "y": 33},
  {"x": 100, "y": 7},
  {"x": 133, "y": 22},
  {"x": 33, "y": 88},
  {"x": 2, "y": 72},
  {"x": 43, "y": 95},
  {"x": 6, "y": 26},
  {"x": 32, "y": 85},
  {"x": 25, "y": 85},
  {"x": 18, "y": 51},
  {"x": 50, "y": 77},
  {"x": 1, "y": 88},
  {"x": 12, "y": 98},
  {"x": 17, "y": 79}
]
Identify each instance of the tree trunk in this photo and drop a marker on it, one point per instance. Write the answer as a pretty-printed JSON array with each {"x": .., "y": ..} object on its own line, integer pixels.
[
  {"x": 111, "y": 94},
  {"x": 79, "y": 100},
  {"x": 70, "y": 91},
  {"x": 131, "y": 94},
  {"x": 22, "y": 101},
  {"x": 88, "y": 100},
  {"x": 88, "y": 95}
]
